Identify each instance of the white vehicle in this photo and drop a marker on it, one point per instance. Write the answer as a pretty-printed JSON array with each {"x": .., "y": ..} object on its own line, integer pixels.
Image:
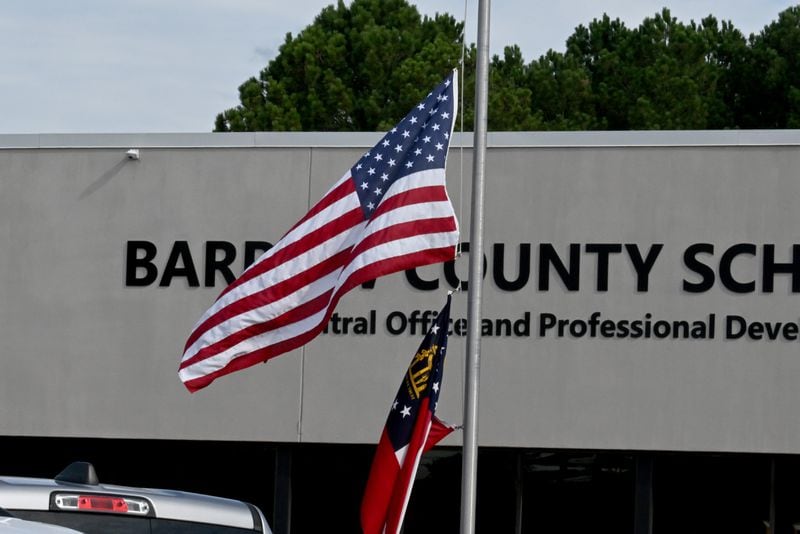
[
  {"x": 76, "y": 499},
  {"x": 14, "y": 525}
]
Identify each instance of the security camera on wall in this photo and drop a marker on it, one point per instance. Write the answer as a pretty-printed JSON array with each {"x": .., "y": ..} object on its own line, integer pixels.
[{"x": 133, "y": 153}]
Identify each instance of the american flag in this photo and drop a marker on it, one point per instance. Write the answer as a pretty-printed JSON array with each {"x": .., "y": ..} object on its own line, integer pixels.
[
  {"x": 411, "y": 429},
  {"x": 388, "y": 213}
]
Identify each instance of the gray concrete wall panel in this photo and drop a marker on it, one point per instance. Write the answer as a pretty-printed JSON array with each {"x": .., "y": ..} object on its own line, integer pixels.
[{"x": 84, "y": 354}]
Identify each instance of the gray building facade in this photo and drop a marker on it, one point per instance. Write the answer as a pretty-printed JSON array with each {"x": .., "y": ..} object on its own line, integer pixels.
[{"x": 641, "y": 295}]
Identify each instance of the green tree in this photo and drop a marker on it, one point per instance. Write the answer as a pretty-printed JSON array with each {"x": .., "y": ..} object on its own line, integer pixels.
[
  {"x": 726, "y": 50},
  {"x": 768, "y": 95},
  {"x": 561, "y": 93},
  {"x": 599, "y": 51},
  {"x": 362, "y": 67},
  {"x": 675, "y": 83},
  {"x": 662, "y": 75},
  {"x": 356, "y": 68},
  {"x": 509, "y": 97}
]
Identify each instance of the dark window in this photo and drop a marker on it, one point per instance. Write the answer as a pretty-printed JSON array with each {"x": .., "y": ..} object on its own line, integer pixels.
[
  {"x": 435, "y": 501},
  {"x": 787, "y": 494},
  {"x": 711, "y": 493},
  {"x": 577, "y": 491},
  {"x": 327, "y": 482}
]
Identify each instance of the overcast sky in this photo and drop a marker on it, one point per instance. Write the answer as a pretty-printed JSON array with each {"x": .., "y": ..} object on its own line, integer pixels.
[{"x": 108, "y": 66}]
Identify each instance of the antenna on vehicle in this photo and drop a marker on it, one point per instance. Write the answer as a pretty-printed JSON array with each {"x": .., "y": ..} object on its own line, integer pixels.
[{"x": 79, "y": 473}]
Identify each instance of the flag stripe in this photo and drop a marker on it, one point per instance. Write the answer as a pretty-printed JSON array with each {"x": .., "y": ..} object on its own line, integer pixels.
[
  {"x": 255, "y": 349},
  {"x": 253, "y": 358},
  {"x": 438, "y": 431},
  {"x": 296, "y": 334},
  {"x": 303, "y": 250},
  {"x": 338, "y": 191},
  {"x": 271, "y": 293},
  {"x": 266, "y": 312},
  {"x": 379, "y": 490},
  {"x": 281, "y": 272},
  {"x": 281, "y": 337},
  {"x": 340, "y": 212},
  {"x": 405, "y": 479},
  {"x": 380, "y": 236},
  {"x": 299, "y": 329},
  {"x": 407, "y": 197},
  {"x": 410, "y": 229},
  {"x": 402, "y": 262},
  {"x": 302, "y": 311}
]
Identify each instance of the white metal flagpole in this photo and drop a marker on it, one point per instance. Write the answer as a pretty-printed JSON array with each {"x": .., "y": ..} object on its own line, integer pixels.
[{"x": 469, "y": 466}]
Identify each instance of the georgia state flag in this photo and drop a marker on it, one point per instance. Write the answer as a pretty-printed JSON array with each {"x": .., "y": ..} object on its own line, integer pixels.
[{"x": 411, "y": 429}]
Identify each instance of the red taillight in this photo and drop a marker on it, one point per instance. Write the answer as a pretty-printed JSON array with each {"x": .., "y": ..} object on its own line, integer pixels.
[
  {"x": 102, "y": 504},
  {"x": 89, "y": 502}
]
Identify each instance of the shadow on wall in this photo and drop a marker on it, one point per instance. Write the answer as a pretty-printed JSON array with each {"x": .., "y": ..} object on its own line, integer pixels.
[{"x": 104, "y": 178}]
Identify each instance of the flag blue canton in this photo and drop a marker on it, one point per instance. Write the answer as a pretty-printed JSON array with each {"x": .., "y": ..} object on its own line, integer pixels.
[
  {"x": 418, "y": 142},
  {"x": 423, "y": 380}
]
